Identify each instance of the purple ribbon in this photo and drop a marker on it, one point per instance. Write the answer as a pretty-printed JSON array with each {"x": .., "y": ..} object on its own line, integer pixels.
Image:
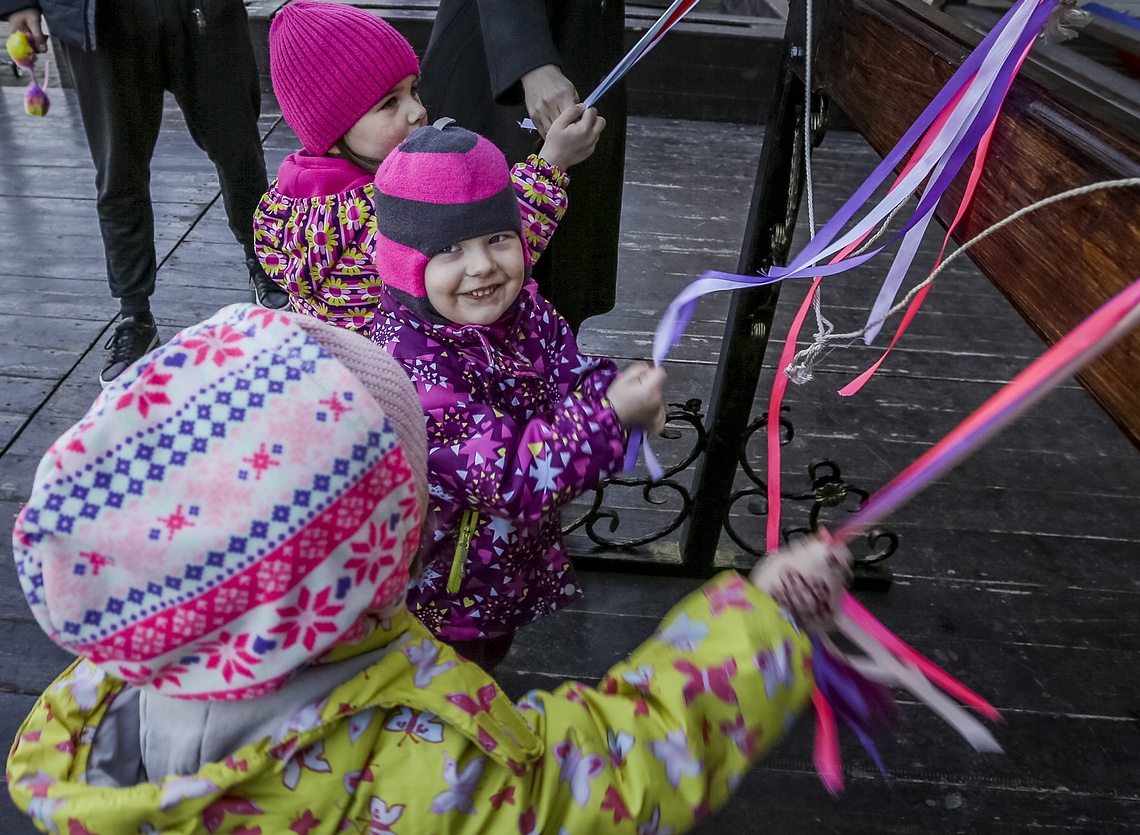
[
  {"x": 968, "y": 69},
  {"x": 954, "y": 144},
  {"x": 863, "y": 705},
  {"x": 954, "y": 154}
]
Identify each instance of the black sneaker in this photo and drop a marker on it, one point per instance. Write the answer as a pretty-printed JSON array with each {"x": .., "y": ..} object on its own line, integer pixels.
[
  {"x": 266, "y": 293},
  {"x": 132, "y": 339}
]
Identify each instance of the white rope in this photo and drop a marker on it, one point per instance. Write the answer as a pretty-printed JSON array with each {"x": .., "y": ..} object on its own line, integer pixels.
[
  {"x": 807, "y": 122},
  {"x": 799, "y": 369},
  {"x": 800, "y": 373},
  {"x": 824, "y": 327},
  {"x": 882, "y": 228}
]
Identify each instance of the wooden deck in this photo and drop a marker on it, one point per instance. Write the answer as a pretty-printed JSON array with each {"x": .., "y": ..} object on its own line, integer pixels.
[{"x": 1018, "y": 571}]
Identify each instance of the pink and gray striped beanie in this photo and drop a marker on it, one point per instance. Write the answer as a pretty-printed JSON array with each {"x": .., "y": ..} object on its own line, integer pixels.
[
  {"x": 232, "y": 507},
  {"x": 440, "y": 186},
  {"x": 330, "y": 63}
]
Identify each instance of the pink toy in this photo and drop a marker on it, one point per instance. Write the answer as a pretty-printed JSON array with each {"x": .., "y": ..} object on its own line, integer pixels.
[{"x": 36, "y": 101}]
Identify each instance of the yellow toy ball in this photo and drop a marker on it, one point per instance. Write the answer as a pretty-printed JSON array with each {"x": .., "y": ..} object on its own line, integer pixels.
[{"x": 21, "y": 51}]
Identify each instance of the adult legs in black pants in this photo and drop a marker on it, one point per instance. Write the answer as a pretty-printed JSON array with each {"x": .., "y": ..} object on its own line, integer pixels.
[{"x": 200, "y": 50}]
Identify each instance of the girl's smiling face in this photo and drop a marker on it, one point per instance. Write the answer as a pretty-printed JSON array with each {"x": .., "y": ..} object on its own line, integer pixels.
[
  {"x": 389, "y": 122},
  {"x": 474, "y": 281}
]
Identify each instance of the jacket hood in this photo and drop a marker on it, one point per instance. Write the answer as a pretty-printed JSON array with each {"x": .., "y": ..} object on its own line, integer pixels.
[
  {"x": 303, "y": 176},
  {"x": 48, "y": 764}
]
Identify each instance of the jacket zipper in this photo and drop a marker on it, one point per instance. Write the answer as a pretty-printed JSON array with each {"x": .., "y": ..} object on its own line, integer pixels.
[{"x": 467, "y": 527}]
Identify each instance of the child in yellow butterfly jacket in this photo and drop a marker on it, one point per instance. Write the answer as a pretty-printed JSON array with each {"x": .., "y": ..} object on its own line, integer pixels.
[{"x": 225, "y": 540}]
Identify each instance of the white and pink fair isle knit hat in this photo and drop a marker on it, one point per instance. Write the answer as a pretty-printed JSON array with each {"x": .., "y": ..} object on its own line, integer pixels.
[{"x": 231, "y": 507}]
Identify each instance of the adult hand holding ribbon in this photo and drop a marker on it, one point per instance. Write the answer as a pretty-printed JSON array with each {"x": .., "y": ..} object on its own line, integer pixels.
[{"x": 670, "y": 18}]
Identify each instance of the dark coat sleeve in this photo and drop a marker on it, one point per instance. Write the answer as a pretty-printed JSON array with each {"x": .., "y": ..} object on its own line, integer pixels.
[
  {"x": 516, "y": 34},
  {"x": 585, "y": 39},
  {"x": 479, "y": 49},
  {"x": 9, "y": 6}
]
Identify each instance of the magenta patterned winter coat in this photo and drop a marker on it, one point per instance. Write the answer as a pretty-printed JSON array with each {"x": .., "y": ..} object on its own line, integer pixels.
[{"x": 518, "y": 425}]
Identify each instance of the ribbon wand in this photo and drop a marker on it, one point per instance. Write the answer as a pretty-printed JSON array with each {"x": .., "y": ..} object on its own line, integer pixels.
[
  {"x": 896, "y": 662},
  {"x": 1073, "y": 352},
  {"x": 670, "y": 18},
  {"x": 1077, "y": 349}
]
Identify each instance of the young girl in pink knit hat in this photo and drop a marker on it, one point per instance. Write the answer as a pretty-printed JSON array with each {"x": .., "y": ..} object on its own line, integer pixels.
[
  {"x": 347, "y": 85},
  {"x": 519, "y": 421},
  {"x": 247, "y": 663}
]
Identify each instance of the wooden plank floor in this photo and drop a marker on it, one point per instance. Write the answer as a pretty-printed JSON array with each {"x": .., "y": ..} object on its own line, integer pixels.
[{"x": 1018, "y": 571}]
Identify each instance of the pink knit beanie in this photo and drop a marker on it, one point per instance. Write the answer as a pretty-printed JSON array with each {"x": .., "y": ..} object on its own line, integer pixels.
[
  {"x": 440, "y": 186},
  {"x": 330, "y": 63},
  {"x": 233, "y": 506}
]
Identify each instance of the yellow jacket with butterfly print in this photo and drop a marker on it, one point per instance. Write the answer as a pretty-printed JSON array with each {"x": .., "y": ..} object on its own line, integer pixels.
[{"x": 422, "y": 742}]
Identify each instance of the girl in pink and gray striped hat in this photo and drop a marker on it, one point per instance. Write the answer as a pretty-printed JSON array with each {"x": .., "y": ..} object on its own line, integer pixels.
[{"x": 520, "y": 422}]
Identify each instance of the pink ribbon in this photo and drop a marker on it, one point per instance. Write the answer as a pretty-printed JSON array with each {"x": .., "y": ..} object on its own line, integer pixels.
[
  {"x": 825, "y": 749},
  {"x": 1083, "y": 344}
]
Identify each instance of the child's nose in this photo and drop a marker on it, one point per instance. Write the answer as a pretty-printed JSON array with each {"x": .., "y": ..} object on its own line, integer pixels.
[
  {"x": 479, "y": 261},
  {"x": 416, "y": 113}
]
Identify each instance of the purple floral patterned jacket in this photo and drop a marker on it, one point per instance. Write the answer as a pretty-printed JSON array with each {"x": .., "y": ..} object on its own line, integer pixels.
[{"x": 518, "y": 425}]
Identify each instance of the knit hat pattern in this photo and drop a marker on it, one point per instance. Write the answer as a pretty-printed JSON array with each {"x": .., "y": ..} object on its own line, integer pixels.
[
  {"x": 440, "y": 186},
  {"x": 330, "y": 64},
  {"x": 230, "y": 508}
]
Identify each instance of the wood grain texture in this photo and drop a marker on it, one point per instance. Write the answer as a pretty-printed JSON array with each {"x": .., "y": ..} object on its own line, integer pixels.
[{"x": 882, "y": 61}]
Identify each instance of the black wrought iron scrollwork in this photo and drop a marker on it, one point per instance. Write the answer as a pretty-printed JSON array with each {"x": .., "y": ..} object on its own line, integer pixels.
[
  {"x": 758, "y": 491},
  {"x": 828, "y": 492},
  {"x": 688, "y": 413}
]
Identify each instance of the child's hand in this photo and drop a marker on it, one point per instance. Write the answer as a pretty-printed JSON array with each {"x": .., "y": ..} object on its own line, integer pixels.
[
  {"x": 637, "y": 397},
  {"x": 807, "y": 578},
  {"x": 572, "y": 136}
]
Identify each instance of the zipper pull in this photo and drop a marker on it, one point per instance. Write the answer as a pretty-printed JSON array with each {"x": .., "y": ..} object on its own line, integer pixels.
[
  {"x": 200, "y": 18},
  {"x": 467, "y": 526}
]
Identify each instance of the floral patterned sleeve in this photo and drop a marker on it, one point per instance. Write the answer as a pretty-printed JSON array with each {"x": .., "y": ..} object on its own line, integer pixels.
[
  {"x": 422, "y": 742},
  {"x": 667, "y": 736},
  {"x": 541, "y": 189}
]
